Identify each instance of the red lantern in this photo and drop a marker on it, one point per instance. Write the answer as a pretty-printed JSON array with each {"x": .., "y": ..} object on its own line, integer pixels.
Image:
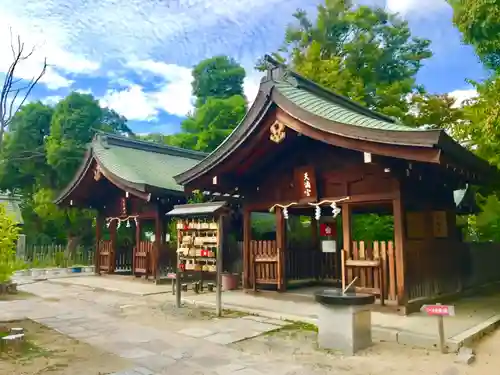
[
  {"x": 182, "y": 266},
  {"x": 204, "y": 253}
]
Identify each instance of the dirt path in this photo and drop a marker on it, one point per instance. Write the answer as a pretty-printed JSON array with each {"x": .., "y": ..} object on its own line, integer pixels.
[
  {"x": 48, "y": 352},
  {"x": 279, "y": 353},
  {"x": 381, "y": 359}
]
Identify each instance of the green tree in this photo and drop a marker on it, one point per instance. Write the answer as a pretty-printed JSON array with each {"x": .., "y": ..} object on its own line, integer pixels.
[
  {"x": 434, "y": 112},
  {"x": 217, "y": 77},
  {"x": 478, "y": 21},
  {"x": 23, "y": 164},
  {"x": 75, "y": 121},
  {"x": 213, "y": 122},
  {"x": 220, "y": 105},
  {"x": 361, "y": 52}
]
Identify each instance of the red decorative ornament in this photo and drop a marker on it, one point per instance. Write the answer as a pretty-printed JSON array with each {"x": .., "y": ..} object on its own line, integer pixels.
[{"x": 328, "y": 230}]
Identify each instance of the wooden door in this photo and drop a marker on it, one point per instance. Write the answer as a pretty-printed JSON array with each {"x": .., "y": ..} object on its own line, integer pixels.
[
  {"x": 105, "y": 256},
  {"x": 142, "y": 254}
]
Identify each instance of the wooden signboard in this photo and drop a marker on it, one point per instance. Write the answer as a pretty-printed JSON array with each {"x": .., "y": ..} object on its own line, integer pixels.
[
  {"x": 305, "y": 182},
  {"x": 439, "y": 224},
  {"x": 415, "y": 225}
]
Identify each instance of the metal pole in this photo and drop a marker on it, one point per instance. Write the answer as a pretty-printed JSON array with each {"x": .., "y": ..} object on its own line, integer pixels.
[
  {"x": 442, "y": 342},
  {"x": 218, "y": 266}
]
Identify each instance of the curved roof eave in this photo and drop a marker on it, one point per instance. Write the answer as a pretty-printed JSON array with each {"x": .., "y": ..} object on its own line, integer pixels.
[
  {"x": 81, "y": 172},
  {"x": 252, "y": 118},
  {"x": 412, "y": 138},
  {"x": 262, "y": 104}
]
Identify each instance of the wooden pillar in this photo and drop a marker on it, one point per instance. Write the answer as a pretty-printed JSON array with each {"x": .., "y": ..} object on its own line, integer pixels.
[
  {"x": 112, "y": 254},
  {"x": 317, "y": 268},
  {"x": 137, "y": 243},
  {"x": 398, "y": 212},
  {"x": 99, "y": 223},
  {"x": 247, "y": 237},
  {"x": 346, "y": 239},
  {"x": 280, "y": 247},
  {"x": 159, "y": 239}
]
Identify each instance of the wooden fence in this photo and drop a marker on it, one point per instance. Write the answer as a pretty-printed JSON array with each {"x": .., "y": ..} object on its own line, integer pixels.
[
  {"x": 373, "y": 263},
  {"x": 265, "y": 265},
  {"x": 54, "y": 255}
]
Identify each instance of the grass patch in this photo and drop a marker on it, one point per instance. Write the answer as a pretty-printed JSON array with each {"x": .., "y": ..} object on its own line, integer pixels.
[
  {"x": 16, "y": 296},
  {"x": 294, "y": 328}
]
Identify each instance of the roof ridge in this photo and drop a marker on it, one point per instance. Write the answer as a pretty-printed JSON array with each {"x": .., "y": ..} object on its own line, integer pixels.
[
  {"x": 284, "y": 73},
  {"x": 147, "y": 146}
]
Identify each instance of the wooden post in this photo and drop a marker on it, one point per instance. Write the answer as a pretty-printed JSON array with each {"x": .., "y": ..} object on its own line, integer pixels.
[
  {"x": 158, "y": 241},
  {"x": 137, "y": 243},
  {"x": 280, "y": 248},
  {"x": 346, "y": 235},
  {"x": 317, "y": 271},
  {"x": 219, "y": 257},
  {"x": 112, "y": 253},
  {"x": 178, "y": 274},
  {"x": 398, "y": 213},
  {"x": 99, "y": 222},
  {"x": 442, "y": 339},
  {"x": 247, "y": 234}
]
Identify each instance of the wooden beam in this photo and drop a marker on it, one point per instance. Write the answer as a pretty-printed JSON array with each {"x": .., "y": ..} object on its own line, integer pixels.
[
  {"x": 399, "y": 217},
  {"x": 247, "y": 234},
  {"x": 346, "y": 232},
  {"x": 425, "y": 154},
  {"x": 280, "y": 247},
  {"x": 99, "y": 223},
  {"x": 112, "y": 255}
]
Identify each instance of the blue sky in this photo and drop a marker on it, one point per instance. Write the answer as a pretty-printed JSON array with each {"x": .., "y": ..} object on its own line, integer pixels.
[{"x": 135, "y": 56}]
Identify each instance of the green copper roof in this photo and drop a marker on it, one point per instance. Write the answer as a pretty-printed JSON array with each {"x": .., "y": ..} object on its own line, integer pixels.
[
  {"x": 144, "y": 163},
  {"x": 333, "y": 107}
]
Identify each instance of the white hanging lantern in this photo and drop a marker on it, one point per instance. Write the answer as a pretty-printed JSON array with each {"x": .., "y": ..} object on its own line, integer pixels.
[
  {"x": 128, "y": 223},
  {"x": 119, "y": 224},
  {"x": 285, "y": 213},
  {"x": 317, "y": 213},
  {"x": 108, "y": 223}
]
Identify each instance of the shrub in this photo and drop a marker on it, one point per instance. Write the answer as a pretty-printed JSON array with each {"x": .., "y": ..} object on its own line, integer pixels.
[{"x": 9, "y": 234}]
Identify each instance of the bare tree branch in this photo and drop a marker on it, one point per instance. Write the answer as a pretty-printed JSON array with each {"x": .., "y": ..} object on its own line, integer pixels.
[{"x": 10, "y": 94}]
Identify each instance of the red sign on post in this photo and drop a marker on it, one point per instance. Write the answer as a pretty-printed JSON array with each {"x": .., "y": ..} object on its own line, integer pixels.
[
  {"x": 439, "y": 310},
  {"x": 328, "y": 230}
]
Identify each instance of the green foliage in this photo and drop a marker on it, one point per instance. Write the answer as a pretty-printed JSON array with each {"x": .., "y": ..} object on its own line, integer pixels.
[
  {"x": 361, "y": 52},
  {"x": 42, "y": 151},
  {"x": 478, "y": 21},
  {"x": 23, "y": 156},
  {"x": 372, "y": 227},
  {"x": 74, "y": 122},
  {"x": 217, "y": 77},
  {"x": 9, "y": 234},
  {"x": 220, "y": 105},
  {"x": 434, "y": 112}
]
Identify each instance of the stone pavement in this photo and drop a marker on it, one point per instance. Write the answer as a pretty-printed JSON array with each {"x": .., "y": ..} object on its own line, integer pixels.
[
  {"x": 475, "y": 315},
  {"x": 196, "y": 347}
]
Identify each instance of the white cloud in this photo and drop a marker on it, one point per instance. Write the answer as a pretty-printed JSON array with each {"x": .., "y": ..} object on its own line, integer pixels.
[
  {"x": 133, "y": 103},
  {"x": 47, "y": 41},
  {"x": 462, "y": 95},
  {"x": 173, "y": 95},
  {"x": 251, "y": 85},
  {"x": 405, "y": 7},
  {"x": 52, "y": 100}
]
